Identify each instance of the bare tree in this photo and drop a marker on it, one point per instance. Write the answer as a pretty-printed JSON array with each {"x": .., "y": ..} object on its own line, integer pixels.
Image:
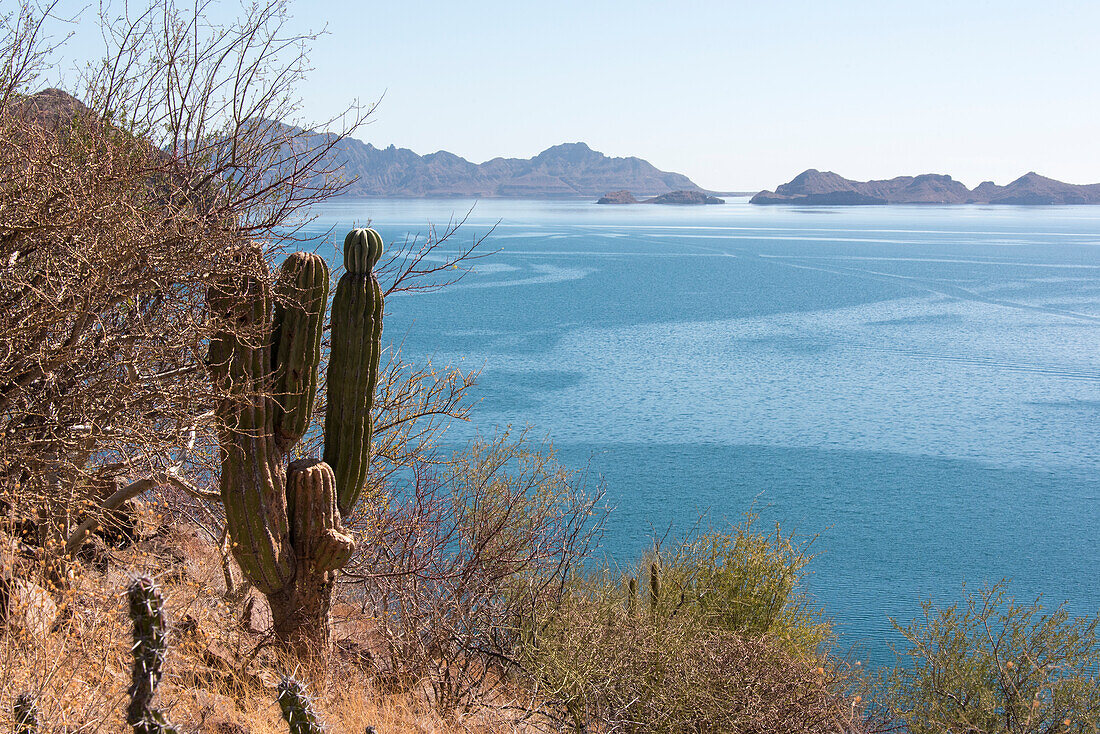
[{"x": 116, "y": 214}]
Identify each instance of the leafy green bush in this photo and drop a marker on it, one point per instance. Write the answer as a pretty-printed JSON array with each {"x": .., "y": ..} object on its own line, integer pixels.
[
  {"x": 742, "y": 581},
  {"x": 712, "y": 635},
  {"x": 993, "y": 665}
]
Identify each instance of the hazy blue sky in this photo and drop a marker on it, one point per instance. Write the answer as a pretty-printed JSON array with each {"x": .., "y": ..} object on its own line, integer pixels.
[{"x": 733, "y": 94}]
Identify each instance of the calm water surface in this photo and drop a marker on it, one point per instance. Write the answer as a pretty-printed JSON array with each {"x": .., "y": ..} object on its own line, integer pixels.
[{"x": 919, "y": 386}]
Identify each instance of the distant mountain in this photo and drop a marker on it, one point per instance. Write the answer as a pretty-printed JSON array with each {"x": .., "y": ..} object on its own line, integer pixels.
[
  {"x": 817, "y": 188},
  {"x": 570, "y": 169}
]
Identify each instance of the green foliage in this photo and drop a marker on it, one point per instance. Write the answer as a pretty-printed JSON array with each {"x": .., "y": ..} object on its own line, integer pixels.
[
  {"x": 741, "y": 581},
  {"x": 992, "y": 665},
  {"x": 730, "y": 644},
  {"x": 297, "y": 709}
]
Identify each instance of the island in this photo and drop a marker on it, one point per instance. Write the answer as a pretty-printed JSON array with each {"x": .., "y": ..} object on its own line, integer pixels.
[
  {"x": 826, "y": 188},
  {"x": 618, "y": 197},
  {"x": 685, "y": 198}
]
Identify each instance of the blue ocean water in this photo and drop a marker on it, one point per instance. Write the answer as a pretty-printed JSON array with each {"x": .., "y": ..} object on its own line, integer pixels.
[{"x": 917, "y": 386}]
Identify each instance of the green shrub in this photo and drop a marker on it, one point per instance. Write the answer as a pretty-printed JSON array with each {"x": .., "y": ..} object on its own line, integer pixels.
[
  {"x": 722, "y": 641},
  {"x": 743, "y": 581},
  {"x": 993, "y": 665}
]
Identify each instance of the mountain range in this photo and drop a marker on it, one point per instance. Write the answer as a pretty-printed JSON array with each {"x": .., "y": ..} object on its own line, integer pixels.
[
  {"x": 828, "y": 188},
  {"x": 567, "y": 170}
]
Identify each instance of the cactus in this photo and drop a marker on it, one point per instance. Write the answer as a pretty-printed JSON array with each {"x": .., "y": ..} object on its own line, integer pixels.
[
  {"x": 286, "y": 523},
  {"x": 296, "y": 707},
  {"x": 147, "y": 614},
  {"x": 302, "y": 291},
  {"x": 251, "y": 479},
  {"x": 314, "y": 518},
  {"x": 353, "y": 365},
  {"x": 654, "y": 587},
  {"x": 632, "y": 596},
  {"x": 25, "y": 714}
]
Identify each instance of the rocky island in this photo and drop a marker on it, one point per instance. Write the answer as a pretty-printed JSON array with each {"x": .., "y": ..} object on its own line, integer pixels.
[
  {"x": 684, "y": 198},
  {"x": 618, "y": 197},
  {"x": 819, "y": 188}
]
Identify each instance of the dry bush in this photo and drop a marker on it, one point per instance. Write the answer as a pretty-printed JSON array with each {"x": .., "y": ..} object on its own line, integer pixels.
[
  {"x": 461, "y": 557},
  {"x": 116, "y": 214}
]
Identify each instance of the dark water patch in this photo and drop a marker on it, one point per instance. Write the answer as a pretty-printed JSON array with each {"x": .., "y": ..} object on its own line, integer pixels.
[{"x": 520, "y": 390}]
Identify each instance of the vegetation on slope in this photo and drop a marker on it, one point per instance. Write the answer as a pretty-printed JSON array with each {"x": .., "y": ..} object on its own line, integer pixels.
[{"x": 470, "y": 600}]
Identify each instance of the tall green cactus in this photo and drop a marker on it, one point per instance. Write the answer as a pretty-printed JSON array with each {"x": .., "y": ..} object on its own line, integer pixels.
[
  {"x": 287, "y": 530},
  {"x": 302, "y": 291},
  {"x": 150, "y": 644},
  {"x": 353, "y": 365}
]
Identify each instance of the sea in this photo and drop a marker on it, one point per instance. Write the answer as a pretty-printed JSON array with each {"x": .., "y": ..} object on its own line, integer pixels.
[{"x": 915, "y": 388}]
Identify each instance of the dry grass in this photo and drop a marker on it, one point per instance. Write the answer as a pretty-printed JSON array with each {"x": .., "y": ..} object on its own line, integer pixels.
[{"x": 220, "y": 675}]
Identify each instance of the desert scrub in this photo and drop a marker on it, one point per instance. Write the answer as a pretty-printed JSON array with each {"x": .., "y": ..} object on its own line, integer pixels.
[
  {"x": 743, "y": 581},
  {"x": 720, "y": 640},
  {"x": 992, "y": 665}
]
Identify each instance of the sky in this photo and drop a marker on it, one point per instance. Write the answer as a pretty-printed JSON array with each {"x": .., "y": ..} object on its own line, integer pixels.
[{"x": 736, "y": 95}]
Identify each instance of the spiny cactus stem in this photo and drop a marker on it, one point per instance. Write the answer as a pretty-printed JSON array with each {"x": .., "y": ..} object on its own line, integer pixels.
[
  {"x": 297, "y": 709},
  {"x": 150, "y": 645},
  {"x": 654, "y": 586}
]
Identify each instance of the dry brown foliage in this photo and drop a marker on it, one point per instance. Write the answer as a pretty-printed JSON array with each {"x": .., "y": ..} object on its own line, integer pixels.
[
  {"x": 220, "y": 672},
  {"x": 115, "y": 217}
]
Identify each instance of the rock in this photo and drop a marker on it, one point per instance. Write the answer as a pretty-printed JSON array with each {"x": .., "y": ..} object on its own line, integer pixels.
[
  {"x": 618, "y": 197},
  {"x": 684, "y": 198},
  {"x": 27, "y": 607}
]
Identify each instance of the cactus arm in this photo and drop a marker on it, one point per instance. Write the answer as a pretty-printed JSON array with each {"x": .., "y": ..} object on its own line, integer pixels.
[
  {"x": 357, "y": 309},
  {"x": 251, "y": 481},
  {"x": 302, "y": 294},
  {"x": 315, "y": 528}
]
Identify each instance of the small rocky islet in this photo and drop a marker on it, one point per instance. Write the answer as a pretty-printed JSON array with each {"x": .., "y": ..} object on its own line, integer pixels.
[{"x": 684, "y": 197}]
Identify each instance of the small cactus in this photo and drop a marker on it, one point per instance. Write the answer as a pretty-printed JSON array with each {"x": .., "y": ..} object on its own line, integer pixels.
[
  {"x": 297, "y": 708},
  {"x": 150, "y": 644},
  {"x": 25, "y": 713},
  {"x": 654, "y": 587}
]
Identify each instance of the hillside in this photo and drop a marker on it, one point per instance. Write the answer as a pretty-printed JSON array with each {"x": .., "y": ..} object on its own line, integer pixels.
[
  {"x": 567, "y": 170},
  {"x": 827, "y": 188}
]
